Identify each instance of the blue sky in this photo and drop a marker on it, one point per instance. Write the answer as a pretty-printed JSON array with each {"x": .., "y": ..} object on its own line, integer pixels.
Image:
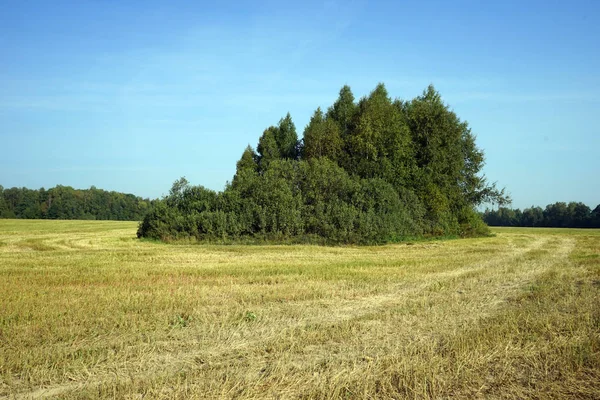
[{"x": 131, "y": 95}]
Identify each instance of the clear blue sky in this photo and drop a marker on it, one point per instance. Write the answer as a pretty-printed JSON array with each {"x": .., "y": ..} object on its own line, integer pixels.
[{"x": 131, "y": 95}]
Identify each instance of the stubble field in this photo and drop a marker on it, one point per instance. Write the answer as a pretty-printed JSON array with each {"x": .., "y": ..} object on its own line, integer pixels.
[{"x": 89, "y": 311}]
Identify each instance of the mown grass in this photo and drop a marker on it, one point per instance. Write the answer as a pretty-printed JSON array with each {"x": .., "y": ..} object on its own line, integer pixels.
[{"x": 88, "y": 311}]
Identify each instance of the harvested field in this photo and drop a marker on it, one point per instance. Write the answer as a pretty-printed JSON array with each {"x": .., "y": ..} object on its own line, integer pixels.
[{"x": 89, "y": 311}]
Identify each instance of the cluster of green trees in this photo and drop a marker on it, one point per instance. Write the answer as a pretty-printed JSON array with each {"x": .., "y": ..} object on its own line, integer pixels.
[
  {"x": 557, "y": 215},
  {"x": 370, "y": 171},
  {"x": 64, "y": 202}
]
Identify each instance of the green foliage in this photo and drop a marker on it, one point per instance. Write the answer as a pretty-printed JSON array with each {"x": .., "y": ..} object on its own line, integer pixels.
[
  {"x": 378, "y": 142},
  {"x": 248, "y": 160},
  {"x": 5, "y": 211},
  {"x": 268, "y": 149},
  {"x": 180, "y": 321},
  {"x": 342, "y": 111},
  {"x": 287, "y": 139},
  {"x": 250, "y": 316},
  {"x": 471, "y": 224},
  {"x": 322, "y": 138},
  {"x": 280, "y": 142},
  {"x": 64, "y": 202},
  {"x": 375, "y": 171},
  {"x": 556, "y": 215}
]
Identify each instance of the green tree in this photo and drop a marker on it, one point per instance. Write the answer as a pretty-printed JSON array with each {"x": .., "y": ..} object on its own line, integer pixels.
[
  {"x": 5, "y": 212},
  {"x": 556, "y": 215},
  {"x": 280, "y": 200},
  {"x": 579, "y": 215},
  {"x": 287, "y": 138},
  {"x": 322, "y": 138},
  {"x": 248, "y": 160},
  {"x": 446, "y": 157},
  {"x": 379, "y": 141},
  {"x": 64, "y": 202},
  {"x": 533, "y": 216},
  {"x": 176, "y": 193},
  {"x": 267, "y": 148},
  {"x": 595, "y": 217},
  {"x": 342, "y": 111},
  {"x": 246, "y": 171}
]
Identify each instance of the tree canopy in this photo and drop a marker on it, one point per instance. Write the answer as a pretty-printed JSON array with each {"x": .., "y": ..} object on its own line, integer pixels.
[
  {"x": 376, "y": 170},
  {"x": 556, "y": 215},
  {"x": 64, "y": 202}
]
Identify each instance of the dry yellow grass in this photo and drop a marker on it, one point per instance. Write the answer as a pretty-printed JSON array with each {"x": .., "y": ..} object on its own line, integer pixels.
[{"x": 88, "y": 311}]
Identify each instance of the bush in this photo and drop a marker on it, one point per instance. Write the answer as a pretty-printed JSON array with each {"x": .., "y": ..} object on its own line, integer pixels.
[{"x": 471, "y": 223}]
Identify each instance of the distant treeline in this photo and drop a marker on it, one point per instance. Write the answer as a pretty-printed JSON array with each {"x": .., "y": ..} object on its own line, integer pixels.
[
  {"x": 64, "y": 202},
  {"x": 557, "y": 215},
  {"x": 371, "y": 171}
]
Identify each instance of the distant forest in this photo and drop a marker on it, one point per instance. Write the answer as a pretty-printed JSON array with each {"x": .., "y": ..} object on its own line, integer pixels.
[
  {"x": 64, "y": 202},
  {"x": 371, "y": 171},
  {"x": 557, "y": 215}
]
